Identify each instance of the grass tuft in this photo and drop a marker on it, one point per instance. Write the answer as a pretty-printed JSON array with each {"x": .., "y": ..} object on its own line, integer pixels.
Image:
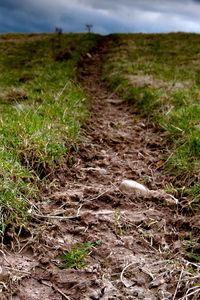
[{"x": 76, "y": 258}]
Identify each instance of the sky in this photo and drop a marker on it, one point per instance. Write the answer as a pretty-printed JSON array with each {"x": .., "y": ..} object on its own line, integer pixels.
[{"x": 106, "y": 16}]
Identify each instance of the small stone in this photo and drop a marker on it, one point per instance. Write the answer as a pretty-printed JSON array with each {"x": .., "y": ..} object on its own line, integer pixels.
[
  {"x": 4, "y": 275},
  {"x": 139, "y": 294},
  {"x": 140, "y": 279},
  {"x": 97, "y": 170},
  {"x": 164, "y": 295},
  {"x": 135, "y": 293},
  {"x": 167, "y": 295},
  {"x": 156, "y": 283},
  {"x": 94, "y": 296},
  {"x": 177, "y": 245},
  {"x": 44, "y": 260},
  {"x": 131, "y": 186},
  {"x": 89, "y": 55}
]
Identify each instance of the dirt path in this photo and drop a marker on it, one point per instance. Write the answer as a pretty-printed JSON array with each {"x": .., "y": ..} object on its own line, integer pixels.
[{"x": 135, "y": 250}]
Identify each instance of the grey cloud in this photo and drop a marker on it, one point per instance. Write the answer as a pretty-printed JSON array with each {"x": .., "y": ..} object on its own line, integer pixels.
[{"x": 106, "y": 15}]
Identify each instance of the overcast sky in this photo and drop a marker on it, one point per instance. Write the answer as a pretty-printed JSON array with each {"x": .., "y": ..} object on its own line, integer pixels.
[{"x": 107, "y": 16}]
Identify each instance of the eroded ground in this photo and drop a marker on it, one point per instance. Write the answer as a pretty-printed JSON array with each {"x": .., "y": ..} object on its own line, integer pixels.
[{"x": 135, "y": 241}]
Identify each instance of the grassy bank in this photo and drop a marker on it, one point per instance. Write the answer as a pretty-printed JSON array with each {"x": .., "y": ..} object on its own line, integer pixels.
[
  {"x": 160, "y": 75},
  {"x": 42, "y": 109}
]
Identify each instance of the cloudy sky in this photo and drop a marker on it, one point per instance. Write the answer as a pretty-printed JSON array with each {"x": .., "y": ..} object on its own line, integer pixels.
[{"x": 107, "y": 16}]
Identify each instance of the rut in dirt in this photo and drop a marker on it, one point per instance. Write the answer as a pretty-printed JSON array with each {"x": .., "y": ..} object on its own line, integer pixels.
[{"x": 135, "y": 241}]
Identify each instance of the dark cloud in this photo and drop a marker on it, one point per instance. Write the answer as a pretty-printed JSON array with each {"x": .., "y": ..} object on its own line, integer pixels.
[
  {"x": 106, "y": 15},
  {"x": 9, "y": 4}
]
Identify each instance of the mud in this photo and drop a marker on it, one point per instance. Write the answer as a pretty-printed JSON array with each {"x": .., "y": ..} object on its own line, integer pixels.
[{"x": 137, "y": 241}]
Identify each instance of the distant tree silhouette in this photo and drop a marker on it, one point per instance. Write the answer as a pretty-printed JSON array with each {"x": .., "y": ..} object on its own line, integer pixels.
[
  {"x": 89, "y": 27},
  {"x": 58, "y": 30},
  {"x": 57, "y": 41}
]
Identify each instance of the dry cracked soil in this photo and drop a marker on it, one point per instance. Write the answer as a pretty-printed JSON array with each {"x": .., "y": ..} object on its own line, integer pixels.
[{"x": 134, "y": 240}]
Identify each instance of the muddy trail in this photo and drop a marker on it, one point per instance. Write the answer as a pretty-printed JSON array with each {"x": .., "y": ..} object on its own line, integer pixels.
[{"x": 132, "y": 242}]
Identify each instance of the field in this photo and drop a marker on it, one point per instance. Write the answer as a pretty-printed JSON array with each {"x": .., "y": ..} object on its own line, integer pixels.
[
  {"x": 160, "y": 75},
  {"x": 81, "y": 114},
  {"x": 42, "y": 109}
]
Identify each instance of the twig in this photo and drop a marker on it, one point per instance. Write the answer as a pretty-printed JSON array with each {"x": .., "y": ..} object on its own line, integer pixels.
[
  {"x": 55, "y": 217},
  {"x": 193, "y": 264},
  {"x": 78, "y": 210},
  {"x": 165, "y": 161},
  {"x": 147, "y": 272},
  {"x": 4, "y": 285},
  {"x": 108, "y": 190},
  {"x": 122, "y": 273},
  {"x": 59, "y": 291},
  {"x": 161, "y": 262},
  {"x": 78, "y": 284},
  {"x": 4, "y": 256},
  {"x": 56, "y": 289},
  {"x": 106, "y": 212},
  {"x": 31, "y": 240},
  {"x": 150, "y": 246},
  {"x": 179, "y": 129},
  {"x": 17, "y": 270},
  {"x": 179, "y": 280},
  {"x": 23, "y": 247},
  {"x": 197, "y": 289}
]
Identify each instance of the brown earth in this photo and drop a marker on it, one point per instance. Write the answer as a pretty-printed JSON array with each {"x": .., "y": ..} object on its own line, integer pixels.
[{"x": 136, "y": 241}]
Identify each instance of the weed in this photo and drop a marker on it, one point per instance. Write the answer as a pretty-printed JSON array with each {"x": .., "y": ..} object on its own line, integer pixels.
[
  {"x": 147, "y": 179},
  {"x": 117, "y": 221},
  {"x": 120, "y": 224},
  {"x": 76, "y": 258},
  {"x": 192, "y": 247},
  {"x": 193, "y": 257}
]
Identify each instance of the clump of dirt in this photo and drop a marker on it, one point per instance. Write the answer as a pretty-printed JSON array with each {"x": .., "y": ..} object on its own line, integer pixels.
[{"x": 136, "y": 242}]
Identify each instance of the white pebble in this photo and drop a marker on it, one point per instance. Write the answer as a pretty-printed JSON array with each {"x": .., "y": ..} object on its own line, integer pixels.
[{"x": 131, "y": 186}]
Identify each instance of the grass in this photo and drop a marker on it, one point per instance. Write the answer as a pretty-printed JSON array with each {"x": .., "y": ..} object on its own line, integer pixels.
[
  {"x": 160, "y": 75},
  {"x": 42, "y": 109},
  {"x": 77, "y": 257}
]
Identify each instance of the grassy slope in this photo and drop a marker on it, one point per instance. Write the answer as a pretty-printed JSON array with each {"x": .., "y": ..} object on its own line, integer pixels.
[
  {"x": 42, "y": 109},
  {"x": 160, "y": 75}
]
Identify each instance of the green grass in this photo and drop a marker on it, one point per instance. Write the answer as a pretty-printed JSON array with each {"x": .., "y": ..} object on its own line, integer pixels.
[
  {"x": 160, "y": 75},
  {"x": 77, "y": 257},
  {"x": 42, "y": 109}
]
